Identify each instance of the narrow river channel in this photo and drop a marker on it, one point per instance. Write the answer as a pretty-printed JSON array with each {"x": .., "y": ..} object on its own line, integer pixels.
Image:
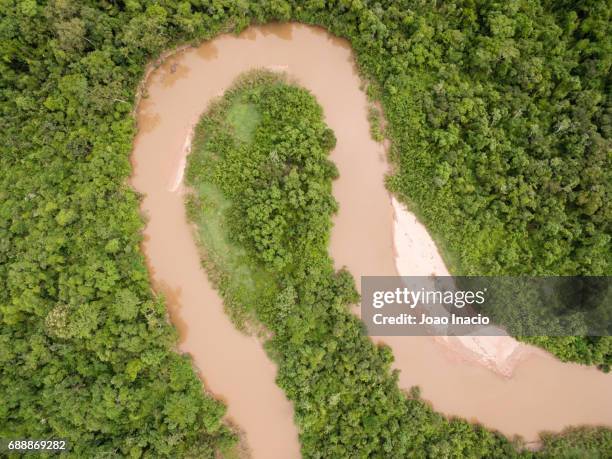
[{"x": 542, "y": 394}]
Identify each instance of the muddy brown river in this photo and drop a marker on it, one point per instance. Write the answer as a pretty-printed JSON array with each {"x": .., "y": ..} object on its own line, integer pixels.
[{"x": 542, "y": 394}]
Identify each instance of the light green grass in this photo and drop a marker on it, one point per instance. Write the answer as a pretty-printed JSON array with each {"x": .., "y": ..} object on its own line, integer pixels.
[
  {"x": 228, "y": 264},
  {"x": 243, "y": 117}
]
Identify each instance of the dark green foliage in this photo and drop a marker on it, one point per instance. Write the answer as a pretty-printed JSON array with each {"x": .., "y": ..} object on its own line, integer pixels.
[
  {"x": 500, "y": 120},
  {"x": 578, "y": 443}
]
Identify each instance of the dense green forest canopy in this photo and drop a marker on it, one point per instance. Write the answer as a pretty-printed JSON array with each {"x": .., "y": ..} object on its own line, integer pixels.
[{"x": 499, "y": 116}]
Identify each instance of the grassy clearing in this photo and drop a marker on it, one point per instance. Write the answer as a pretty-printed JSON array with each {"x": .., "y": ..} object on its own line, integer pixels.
[
  {"x": 226, "y": 262},
  {"x": 243, "y": 117}
]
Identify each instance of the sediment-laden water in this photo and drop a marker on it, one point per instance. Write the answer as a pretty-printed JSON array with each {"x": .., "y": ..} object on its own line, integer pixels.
[{"x": 542, "y": 394}]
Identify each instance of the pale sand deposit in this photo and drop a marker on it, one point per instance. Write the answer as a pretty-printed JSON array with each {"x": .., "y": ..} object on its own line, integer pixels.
[{"x": 416, "y": 254}]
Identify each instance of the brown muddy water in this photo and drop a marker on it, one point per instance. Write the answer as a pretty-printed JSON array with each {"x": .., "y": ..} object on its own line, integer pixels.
[{"x": 542, "y": 394}]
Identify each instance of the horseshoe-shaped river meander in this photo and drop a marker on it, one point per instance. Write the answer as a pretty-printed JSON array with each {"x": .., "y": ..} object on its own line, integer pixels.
[{"x": 541, "y": 394}]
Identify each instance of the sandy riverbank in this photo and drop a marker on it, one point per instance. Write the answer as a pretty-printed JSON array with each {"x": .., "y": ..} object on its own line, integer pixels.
[{"x": 416, "y": 254}]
